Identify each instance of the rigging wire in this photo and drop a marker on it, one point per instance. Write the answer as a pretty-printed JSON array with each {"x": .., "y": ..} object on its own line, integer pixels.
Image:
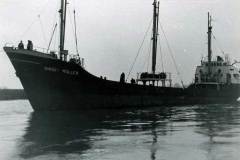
[
  {"x": 54, "y": 29},
  {"x": 148, "y": 56},
  {"x": 43, "y": 32},
  {"x": 161, "y": 54},
  {"x": 72, "y": 24},
  {"x": 28, "y": 28},
  {"x": 171, "y": 53},
  {"x": 54, "y": 23},
  {"x": 218, "y": 45},
  {"x": 44, "y": 6},
  {"x": 139, "y": 49},
  {"x": 55, "y": 41}
]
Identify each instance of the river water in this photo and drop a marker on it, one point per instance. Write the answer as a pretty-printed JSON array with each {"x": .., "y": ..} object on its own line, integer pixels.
[{"x": 206, "y": 132}]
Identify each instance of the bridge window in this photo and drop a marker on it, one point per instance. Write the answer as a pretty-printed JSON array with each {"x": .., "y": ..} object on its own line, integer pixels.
[{"x": 236, "y": 76}]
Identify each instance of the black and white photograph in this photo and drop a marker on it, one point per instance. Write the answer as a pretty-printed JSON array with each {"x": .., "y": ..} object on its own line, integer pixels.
[{"x": 119, "y": 80}]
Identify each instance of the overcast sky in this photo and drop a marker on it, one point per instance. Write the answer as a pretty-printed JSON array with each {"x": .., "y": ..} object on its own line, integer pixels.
[{"x": 110, "y": 33}]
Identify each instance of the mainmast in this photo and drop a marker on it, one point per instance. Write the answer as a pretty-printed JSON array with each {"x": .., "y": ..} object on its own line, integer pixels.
[
  {"x": 153, "y": 77},
  {"x": 209, "y": 42},
  {"x": 63, "y": 10},
  {"x": 155, "y": 34}
]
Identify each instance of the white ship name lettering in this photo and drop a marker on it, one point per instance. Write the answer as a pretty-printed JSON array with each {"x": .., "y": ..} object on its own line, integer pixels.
[
  {"x": 65, "y": 71},
  {"x": 70, "y": 72},
  {"x": 51, "y": 69}
]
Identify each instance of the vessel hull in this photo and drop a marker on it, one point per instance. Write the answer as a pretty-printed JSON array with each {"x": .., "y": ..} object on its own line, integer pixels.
[{"x": 51, "y": 84}]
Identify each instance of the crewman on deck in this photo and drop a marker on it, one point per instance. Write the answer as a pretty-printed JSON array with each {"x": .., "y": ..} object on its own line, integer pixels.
[
  {"x": 122, "y": 78},
  {"x": 21, "y": 45},
  {"x": 133, "y": 81},
  {"x": 30, "y": 45}
]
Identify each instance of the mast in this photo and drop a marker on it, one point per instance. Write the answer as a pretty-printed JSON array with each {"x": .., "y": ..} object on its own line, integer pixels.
[
  {"x": 62, "y": 12},
  {"x": 155, "y": 34},
  {"x": 209, "y": 42},
  {"x": 75, "y": 32}
]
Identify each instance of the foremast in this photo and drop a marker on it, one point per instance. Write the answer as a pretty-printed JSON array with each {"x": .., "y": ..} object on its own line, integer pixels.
[{"x": 63, "y": 10}]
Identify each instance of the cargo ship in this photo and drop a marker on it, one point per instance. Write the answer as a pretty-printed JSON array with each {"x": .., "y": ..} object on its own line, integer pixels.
[{"x": 59, "y": 81}]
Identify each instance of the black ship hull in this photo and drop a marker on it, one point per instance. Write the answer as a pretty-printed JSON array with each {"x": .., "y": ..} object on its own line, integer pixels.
[{"x": 51, "y": 84}]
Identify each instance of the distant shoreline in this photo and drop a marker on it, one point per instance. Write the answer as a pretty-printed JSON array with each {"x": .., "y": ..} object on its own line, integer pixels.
[{"x": 12, "y": 94}]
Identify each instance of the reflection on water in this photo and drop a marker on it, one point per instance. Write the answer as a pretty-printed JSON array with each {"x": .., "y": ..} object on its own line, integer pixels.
[
  {"x": 221, "y": 125},
  {"x": 76, "y": 132},
  {"x": 209, "y": 132}
]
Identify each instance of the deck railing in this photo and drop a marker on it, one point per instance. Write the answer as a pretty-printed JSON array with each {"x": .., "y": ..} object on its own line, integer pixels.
[
  {"x": 35, "y": 48},
  {"x": 70, "y": 57}
]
